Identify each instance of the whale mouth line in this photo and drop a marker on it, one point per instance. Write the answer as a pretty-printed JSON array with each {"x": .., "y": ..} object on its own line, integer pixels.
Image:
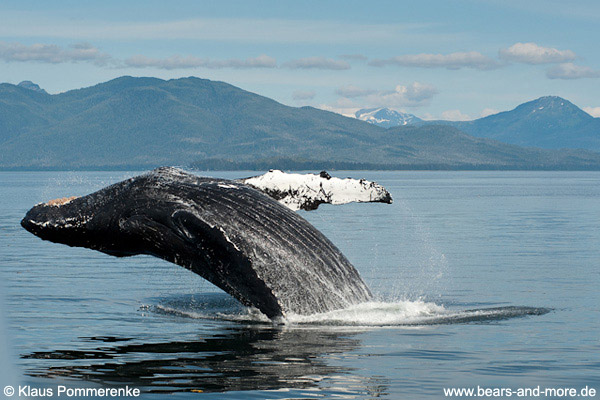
[{"x": 370, "y": 314}]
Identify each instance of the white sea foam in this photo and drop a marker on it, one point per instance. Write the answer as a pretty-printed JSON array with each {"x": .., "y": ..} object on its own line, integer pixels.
[
  {"x": 374, "y": 313},
  {"x": 369, "y": 314}
]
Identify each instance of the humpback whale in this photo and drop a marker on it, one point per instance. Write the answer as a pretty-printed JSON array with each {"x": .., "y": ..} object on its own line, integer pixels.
[{"x": 231, "y": 233}]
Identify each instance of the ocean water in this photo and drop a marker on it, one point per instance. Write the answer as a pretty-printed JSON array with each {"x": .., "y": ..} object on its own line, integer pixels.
[{"x": 486, "y": 279}]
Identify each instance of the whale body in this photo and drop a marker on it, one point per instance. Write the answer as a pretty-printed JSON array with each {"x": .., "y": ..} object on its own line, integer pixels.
[{"x": 235, "y": 236}]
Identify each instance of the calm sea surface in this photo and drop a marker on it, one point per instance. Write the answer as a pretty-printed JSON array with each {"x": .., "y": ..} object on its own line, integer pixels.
[{"x": 487, "y": 279}]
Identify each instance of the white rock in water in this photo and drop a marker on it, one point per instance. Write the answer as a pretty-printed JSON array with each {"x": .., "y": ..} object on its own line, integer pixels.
[{"x": 308, "y": 191}]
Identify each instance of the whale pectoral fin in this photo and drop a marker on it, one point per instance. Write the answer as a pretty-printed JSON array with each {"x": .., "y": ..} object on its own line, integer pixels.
[{"x": 308, "y": 191}]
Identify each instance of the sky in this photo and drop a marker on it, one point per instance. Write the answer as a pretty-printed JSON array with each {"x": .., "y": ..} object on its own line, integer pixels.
[{"x": 441, "y": 59}]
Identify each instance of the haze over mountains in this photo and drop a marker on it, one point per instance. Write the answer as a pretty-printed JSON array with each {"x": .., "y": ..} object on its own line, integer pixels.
[
  {"x": 146, "y": 122},
  {"x": 549, "y": 122}
]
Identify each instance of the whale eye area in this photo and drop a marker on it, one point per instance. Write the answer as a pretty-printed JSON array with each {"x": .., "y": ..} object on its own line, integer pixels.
[{"x": 60, "y": 201}]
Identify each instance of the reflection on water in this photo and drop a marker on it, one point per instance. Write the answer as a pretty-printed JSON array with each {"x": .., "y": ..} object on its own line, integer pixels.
[
  {"x": 240, "y": 358},
  {"x": 248, "y": 353}
]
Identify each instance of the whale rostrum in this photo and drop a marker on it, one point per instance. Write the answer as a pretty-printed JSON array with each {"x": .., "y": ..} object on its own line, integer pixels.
[{"x": 232, "y": 234}]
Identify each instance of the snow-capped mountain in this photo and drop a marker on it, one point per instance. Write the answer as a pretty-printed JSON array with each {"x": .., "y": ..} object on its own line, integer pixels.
[{"x": 385, "y": 117}]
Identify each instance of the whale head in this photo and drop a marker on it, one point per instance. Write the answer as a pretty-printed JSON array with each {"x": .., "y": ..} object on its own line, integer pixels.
[
  {"x": 78, "y": 222},
  {"x": 122, "y": 219}
]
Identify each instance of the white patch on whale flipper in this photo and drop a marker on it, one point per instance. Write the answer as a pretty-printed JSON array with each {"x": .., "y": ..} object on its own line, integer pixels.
[{"x": 308, "y": 191}]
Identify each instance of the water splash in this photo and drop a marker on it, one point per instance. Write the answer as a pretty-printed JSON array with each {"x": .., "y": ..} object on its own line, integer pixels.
[
  {"x": 431, "y": 269},
  {"x": 369, "y": 314}
]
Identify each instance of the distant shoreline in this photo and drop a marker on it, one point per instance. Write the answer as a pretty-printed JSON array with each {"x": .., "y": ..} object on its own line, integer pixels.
[{"x": 310, "y": 167}]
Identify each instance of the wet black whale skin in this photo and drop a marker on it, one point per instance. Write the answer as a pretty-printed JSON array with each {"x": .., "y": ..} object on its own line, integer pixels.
[{"x": 236, "y": 237}]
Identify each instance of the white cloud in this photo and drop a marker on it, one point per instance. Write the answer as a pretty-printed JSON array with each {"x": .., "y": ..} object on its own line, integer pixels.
[
  {"x": 593, "y": 111},
  {"x": 416, "y": 92},
  {"x": 471, "y": 59},
  {"x": 413, "y": 95},
  {"x": 304, "y": 95},
  {"x": 572, "y": 71},
  {"x": 51, "y": 53},
  {"x": 179, "y": 62},
  {"x": 428, "y": 117},
  {"x": 317, "y": 63},
  {"x": 487, "y": 112},
  {"x": 342, "y": 105},
  {"x": 455, "y": 115},
  {"x": 531, "y": 53}
]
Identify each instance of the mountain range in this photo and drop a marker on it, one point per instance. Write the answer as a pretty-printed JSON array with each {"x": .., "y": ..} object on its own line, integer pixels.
[
  {"x": 145, "y": 122},
  {"x": 549, "y": 122}
]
